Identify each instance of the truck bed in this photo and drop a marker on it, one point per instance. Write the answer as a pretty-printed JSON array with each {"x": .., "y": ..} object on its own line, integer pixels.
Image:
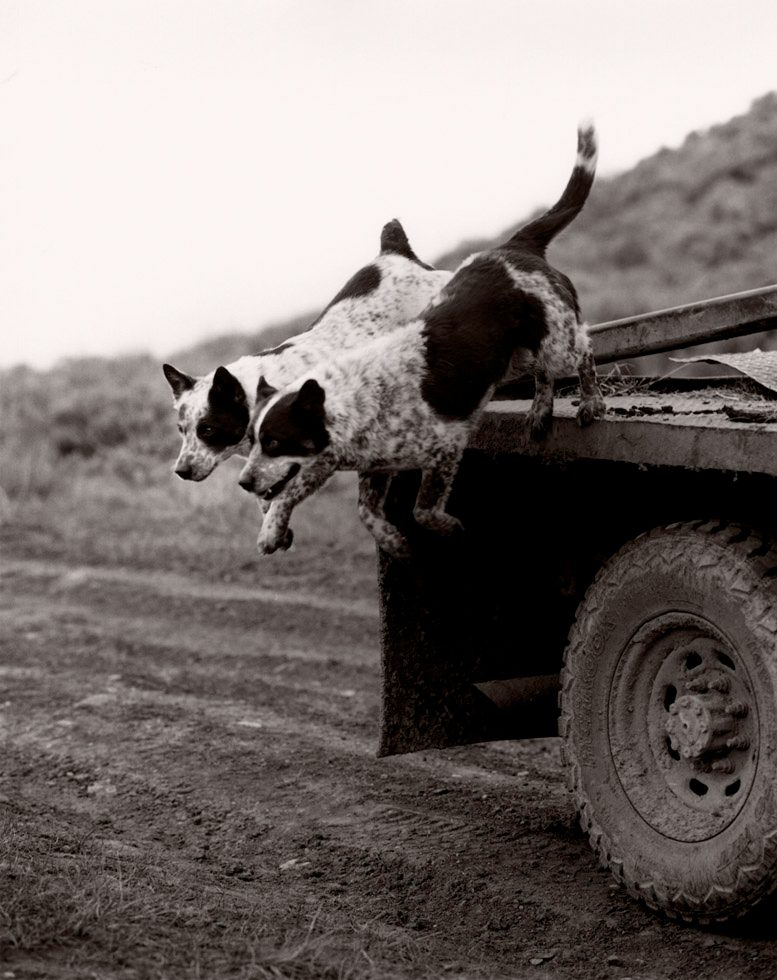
[
  {"x": 723, "y": 425},
  {"x": 474, "y": 628}
]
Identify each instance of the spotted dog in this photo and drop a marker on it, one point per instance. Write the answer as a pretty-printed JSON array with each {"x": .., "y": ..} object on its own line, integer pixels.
[
  {"x": 412, "y": 399},
  {"x": 214, "y": 410}
]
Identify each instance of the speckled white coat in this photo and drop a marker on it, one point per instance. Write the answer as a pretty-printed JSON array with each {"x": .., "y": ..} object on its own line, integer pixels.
[{"x": 405, "y": 289}]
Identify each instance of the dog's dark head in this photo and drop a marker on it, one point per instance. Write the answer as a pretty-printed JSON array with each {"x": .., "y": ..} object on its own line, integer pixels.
[
  {"x": 212, "y": 419},
  {"x": 288, "y": 431}
]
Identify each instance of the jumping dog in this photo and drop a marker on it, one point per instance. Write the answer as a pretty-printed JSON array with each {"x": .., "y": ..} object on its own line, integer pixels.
[
  {"x": 214, "y": 410},
  {"x": 412, "y": 399}
]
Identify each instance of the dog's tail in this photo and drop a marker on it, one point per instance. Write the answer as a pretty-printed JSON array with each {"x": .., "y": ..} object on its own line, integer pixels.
[{"x": 538, "y": 234}]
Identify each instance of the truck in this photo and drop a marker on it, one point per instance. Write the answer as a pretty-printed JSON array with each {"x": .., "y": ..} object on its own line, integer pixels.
[{"x": 616, "y": 585}]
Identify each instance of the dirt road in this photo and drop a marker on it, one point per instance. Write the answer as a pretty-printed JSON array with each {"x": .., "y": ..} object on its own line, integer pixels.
[{"x": 210, "y": 747}]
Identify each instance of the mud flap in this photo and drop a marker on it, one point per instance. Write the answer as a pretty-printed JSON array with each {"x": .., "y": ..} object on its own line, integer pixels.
[{"x": 470, "y": 653}]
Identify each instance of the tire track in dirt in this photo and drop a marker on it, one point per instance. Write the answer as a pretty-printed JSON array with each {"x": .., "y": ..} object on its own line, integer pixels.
[
  {"x": 59, "y": 576},
  {"x": 129, "y": 609},
  {"x": 346, "y": 824},
  {"x": 350, "y": 821},
  {"x": 269, "y": 783},
  {"x": 118, "y": 633},
  {"x": 247, "y": 723}
]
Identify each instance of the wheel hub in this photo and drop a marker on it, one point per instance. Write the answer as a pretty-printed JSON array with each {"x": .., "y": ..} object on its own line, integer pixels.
[
  {"x": 689, "y": 726},
  {"x": 703, "y": 725},
  {"x": 683, "y": 727}
]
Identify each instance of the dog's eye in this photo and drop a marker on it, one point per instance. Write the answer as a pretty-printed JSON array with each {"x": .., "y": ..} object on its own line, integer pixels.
[
  {"x": 271, "y": 445},
  {"x": 205, "y": 431}
]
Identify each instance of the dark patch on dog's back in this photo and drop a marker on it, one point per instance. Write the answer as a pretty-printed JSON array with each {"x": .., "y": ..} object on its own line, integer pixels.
[
  {"x": 527, "y": 261},
  {"x": 472, "y": 334},
  {"x": 362, "y": 283},
  {"x": 394, "y": 241}
]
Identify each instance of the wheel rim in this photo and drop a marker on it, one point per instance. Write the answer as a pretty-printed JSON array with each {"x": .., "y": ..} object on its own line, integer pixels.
[{"x": 682, "y": 719}]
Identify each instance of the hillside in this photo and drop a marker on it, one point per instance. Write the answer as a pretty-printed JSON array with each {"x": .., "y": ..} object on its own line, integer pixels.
[
  {"x": 223, "y": 349},
  {"x": 682, "y": 225}
]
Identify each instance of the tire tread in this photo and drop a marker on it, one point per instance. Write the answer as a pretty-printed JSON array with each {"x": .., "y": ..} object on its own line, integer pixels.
[{"x": 752, "y": 883}]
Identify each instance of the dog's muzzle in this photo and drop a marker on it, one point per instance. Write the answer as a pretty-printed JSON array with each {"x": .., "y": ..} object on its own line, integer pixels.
[
  {"x": 187, "y": 469},
  {"x": 248, "y": 483}
]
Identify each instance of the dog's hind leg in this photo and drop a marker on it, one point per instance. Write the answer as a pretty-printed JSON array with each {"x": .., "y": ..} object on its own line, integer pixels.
[
  {"x": 540, "y": 417},
  {"x": 372, "y": 498},
  {"x": 436, "y": 485},
  {"x": 592, "y": 404}
]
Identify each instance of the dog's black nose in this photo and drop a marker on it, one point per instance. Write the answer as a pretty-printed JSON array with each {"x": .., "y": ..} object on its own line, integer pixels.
[
  {"x": 247, "y": 483},
  {"x": 185, "y": 472}
]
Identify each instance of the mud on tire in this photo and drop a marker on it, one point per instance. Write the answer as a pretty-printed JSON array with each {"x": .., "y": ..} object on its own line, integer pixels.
[{"x": 669, "y": 718}]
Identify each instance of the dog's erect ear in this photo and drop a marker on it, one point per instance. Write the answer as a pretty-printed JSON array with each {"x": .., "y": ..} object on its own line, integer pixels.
[
  {"x": 264, "y": 390},
  {"x": 177, "y": 380},
  {"x": 394, "y": 239},
  {"x": 309, "y": 419},
  {"x": 225, "y": 388},
  {"x": 310, "y": 398}
]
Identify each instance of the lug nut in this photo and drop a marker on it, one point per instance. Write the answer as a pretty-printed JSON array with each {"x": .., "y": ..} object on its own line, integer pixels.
[
  {"x": 723, "y": 765},
  {"x": 738, "y": 742},
  {"x": 698, "y": 686},
  {"x": 720, "y": 684},
  {"x": 737, "y": 709}
]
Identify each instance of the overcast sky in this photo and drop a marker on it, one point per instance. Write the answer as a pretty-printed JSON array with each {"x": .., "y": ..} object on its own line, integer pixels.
[{"x": 175, "y": 169}]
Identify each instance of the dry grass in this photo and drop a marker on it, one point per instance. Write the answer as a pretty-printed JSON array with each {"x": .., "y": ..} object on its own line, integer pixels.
[{"x": 111, "y": 510}]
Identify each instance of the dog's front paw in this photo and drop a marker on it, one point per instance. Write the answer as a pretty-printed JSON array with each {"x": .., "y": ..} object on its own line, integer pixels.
[
  {"x": 268, "y": 544},
  {"x": 265, "y": 546},
  {"x": 590, "y": 410}
]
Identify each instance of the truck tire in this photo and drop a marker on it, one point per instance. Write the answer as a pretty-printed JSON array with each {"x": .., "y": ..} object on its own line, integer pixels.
[{"x": 669, "y": 719}]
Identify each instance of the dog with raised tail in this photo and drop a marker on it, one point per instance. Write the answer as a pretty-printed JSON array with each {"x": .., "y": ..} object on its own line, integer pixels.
[
  {"x": 214, "y": 410},
  {"x": 411, "y": 400}
]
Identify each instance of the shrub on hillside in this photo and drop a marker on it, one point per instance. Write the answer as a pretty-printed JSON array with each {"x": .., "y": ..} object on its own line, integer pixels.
[{"x": 114, "y": 413}]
